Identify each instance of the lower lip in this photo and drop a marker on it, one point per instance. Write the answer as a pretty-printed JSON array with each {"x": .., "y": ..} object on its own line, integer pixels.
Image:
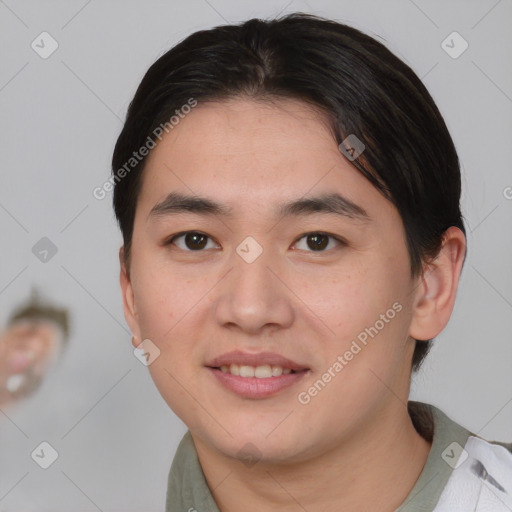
[{"x": 253, "y": 387}]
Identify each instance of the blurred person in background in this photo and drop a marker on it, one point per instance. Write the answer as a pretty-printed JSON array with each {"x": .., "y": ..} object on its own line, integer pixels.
[{"x": 33, "y": 342}]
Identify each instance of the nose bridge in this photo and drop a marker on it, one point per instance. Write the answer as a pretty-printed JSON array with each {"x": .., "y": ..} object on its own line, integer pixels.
[
  {"x": 252, "y": 269},
  {"x": 252, "y": 276},
  {"x": 252, "y": 295}
]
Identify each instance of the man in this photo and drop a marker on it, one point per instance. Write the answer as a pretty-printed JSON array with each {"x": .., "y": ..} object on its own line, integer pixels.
[{"x": 293, "y": 243}]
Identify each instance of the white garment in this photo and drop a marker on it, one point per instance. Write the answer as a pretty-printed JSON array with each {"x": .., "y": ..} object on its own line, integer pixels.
[{"x": 481, "y": 480}]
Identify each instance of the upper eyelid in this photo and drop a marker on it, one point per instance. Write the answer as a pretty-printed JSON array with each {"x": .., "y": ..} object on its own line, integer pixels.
[{"x": 182, "y": 233}]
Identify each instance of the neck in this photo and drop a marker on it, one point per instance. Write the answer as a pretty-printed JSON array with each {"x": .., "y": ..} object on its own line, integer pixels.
[{"x": 373, "y": 470}]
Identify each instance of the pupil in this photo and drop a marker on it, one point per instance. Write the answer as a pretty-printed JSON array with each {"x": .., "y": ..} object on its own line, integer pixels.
[
  {"x": 192, "y": 238},
  {"x": 319, "y": 241}
]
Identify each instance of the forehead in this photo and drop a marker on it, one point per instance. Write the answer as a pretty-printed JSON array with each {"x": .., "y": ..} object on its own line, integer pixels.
[
  {"x": 252, "y": 153},
  {"x": 238, "y": 126}
]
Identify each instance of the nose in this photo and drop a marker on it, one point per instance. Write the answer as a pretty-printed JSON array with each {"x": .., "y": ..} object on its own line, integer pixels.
[{"x": 253, "y": 297}]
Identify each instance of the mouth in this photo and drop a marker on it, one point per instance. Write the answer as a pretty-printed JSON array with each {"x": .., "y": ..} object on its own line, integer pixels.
[
  {"x": 19, "y": 361},
  {"x": 256, "y": 375}
]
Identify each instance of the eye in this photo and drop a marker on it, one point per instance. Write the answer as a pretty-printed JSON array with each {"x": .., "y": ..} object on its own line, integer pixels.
[
  {"x": 318, "y": 241},
  {"x": 193, "y": 241}
]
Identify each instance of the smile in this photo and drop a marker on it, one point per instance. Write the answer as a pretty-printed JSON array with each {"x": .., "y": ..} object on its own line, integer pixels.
[{"x": 255, "y": 375}]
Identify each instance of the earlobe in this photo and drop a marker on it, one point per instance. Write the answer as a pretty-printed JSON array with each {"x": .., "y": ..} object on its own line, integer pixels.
[
  {"x": 435, "y": 295},
  {"x": 135, "y": 342},
  {"x": 129, "y": 305}
]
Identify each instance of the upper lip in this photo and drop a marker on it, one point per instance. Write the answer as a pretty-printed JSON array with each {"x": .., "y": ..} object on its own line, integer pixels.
[{"x": 260, "y": 359}]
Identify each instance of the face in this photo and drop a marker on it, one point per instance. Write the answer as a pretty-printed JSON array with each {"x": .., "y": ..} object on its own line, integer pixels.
[
  {"x": 28, "y": 348},
  {"x": 318, "y": 294}
]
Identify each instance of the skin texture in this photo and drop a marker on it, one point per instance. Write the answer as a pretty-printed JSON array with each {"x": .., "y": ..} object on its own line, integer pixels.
[{"x": 353, "y": 445}]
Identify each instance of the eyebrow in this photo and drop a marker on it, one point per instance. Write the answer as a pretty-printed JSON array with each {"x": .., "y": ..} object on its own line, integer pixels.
[{"x": 176, "y": 203}]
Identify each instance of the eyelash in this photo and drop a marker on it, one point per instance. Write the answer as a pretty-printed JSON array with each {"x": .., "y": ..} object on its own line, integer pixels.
[{"x": 171, "y": 240}]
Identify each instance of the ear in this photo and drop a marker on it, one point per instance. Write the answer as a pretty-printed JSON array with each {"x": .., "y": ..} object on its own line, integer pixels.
[
  {"x": 129, "y": 308},
  {"x": 435, "y": 294}
]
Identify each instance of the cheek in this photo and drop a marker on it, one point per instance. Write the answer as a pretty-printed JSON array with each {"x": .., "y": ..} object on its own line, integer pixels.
[
  {"x": 171, "y": 308},
  {"x": 159, "y": 298},
  {"x": 365, "y": 306},
  {"x": 347, "y": 298}
]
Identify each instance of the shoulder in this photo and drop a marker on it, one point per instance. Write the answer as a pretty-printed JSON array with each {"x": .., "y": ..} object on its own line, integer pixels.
[
  {"x": 480, "y": 476},
  {"x": 481, "y": 479},
  {"x": 463, "y": 471}
]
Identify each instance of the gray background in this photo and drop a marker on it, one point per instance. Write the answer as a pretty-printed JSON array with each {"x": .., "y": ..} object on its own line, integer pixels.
[{"x": 60, "y": 118}]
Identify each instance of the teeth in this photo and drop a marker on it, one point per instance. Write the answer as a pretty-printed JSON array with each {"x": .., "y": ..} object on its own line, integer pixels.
[
  {"x": 276, "y": 371},
  {"x": 261, "y": 372},
  {"x": 246, "y": 371}
]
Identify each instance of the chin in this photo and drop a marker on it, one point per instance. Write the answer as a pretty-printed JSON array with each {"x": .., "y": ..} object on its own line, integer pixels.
[{"x": 250, "y": 446}]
